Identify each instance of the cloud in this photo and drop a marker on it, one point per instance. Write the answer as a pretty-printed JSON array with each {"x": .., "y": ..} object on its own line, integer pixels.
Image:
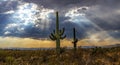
[
  {"x": 9, "y": 5},
  {"x": 77, "y": 16},
  {"x": 31, "y": 14},
  {"x": 105, "y": 17},
  {"x": 53, "y": 4},
  {"x": 7, "y": 32},
  {"x": 9, "y": 12},
  {"x": 36, "y": 18},
  {"x": 26, "y": 18}
]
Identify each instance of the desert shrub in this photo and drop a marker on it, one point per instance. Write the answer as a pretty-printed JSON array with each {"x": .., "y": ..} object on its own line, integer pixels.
[
  {"x": 63, "y": 49},
  {"x": 95, "y": 56},
  {"x": 9, "y": 60},
  {"x": 98, "y": 50}
]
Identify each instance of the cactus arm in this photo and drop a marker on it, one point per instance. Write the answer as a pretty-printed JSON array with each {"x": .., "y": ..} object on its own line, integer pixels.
[
  {"x": 62, "y": 37},
  {"x": 76, "y": 40},
  {"x": 53, "y": 35},
  {"x": 52, "y": 38},
  {"x": 62, "y": 31}
]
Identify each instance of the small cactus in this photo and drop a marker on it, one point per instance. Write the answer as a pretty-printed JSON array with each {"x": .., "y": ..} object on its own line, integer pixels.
[
  {"x": 75, "y": 40},
  {"x": 57, "y": 34}
]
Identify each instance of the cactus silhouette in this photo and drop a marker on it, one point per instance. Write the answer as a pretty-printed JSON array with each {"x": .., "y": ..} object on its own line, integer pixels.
[
  {"x": 75, "y": 40},
  {"x": 57, "y": 34}
]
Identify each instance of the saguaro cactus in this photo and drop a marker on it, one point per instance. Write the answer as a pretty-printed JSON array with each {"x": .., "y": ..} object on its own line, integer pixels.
[
  {"x": 57, "y": 34},
  {"x": 75, "y": 40}
]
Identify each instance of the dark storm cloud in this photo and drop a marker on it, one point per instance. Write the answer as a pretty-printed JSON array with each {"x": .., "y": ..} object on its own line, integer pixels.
[
  {"x": 8, "y": 5},
  {"x": 100, "y": 8},
  {"x": 54, "y": 3},
  {"x": 104, "y": 13},
  {"x": 105, "y": 17},
  {"x": 73, "y": 3},
  {"x": 4, "y": 20}
]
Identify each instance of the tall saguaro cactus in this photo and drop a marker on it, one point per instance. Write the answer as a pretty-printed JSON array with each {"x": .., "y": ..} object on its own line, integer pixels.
[
  {"x": 57, "y": 34},
  {"x": 75, "y": 40}
]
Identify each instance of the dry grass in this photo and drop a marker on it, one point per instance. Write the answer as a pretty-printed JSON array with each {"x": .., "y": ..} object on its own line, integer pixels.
[{"x": 93, "y": 56}]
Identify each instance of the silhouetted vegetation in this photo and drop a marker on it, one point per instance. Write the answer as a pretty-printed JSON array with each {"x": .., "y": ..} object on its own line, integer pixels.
[
  {"x": 57, "y": 34},
  {"x": 91, "y": 56},
  {"x": 75, "y": 40}
]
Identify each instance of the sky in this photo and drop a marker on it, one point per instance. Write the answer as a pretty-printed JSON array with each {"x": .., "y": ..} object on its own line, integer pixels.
[{"x": 94, "y": 20}]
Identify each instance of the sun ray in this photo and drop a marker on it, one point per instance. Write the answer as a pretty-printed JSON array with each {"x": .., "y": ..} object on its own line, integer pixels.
[
  {"x": 29, "y": 14},
  {"x": 78, "y": 16}
]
